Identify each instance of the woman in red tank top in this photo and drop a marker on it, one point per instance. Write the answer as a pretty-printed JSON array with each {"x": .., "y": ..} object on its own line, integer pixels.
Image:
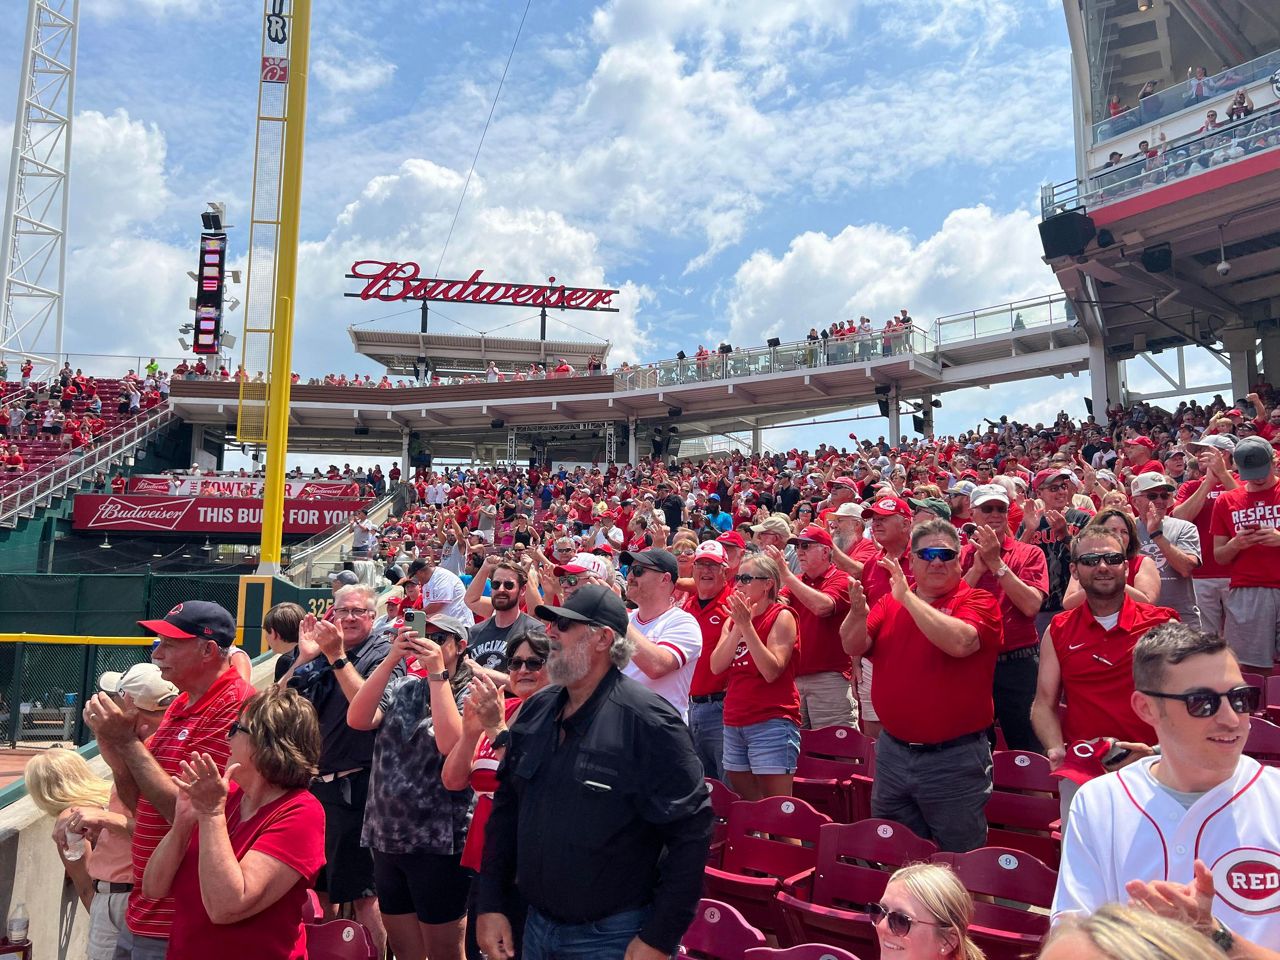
[{"x": 761, "y": 704}]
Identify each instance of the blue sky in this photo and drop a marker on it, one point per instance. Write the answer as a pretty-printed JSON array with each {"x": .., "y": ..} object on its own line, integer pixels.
[{"x": 739, "y": 168}]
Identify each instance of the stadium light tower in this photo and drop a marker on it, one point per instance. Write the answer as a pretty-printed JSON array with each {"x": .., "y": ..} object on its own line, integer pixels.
[{"x": 33, "y": 253}]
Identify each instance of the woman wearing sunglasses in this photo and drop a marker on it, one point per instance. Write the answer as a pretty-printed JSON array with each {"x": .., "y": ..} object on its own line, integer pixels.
[
  {"x": 245, "y": 845},
  {"x": 486, "y": 717},
  {"x": 925, "y": 914},
  {"x": 761, "y": 704},
  {"x": 413, "y": 824}
]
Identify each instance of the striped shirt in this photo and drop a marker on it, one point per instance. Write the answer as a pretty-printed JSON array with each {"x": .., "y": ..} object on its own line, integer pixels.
[{"x": 187, "y": 728}]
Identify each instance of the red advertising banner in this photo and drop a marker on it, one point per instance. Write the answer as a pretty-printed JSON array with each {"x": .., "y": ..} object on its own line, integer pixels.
[
  {"x": 214, "y": 486},
  {"x": 206, "y": 515}
]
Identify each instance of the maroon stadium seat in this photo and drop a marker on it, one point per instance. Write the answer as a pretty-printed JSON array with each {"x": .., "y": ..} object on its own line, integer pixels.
[
  {"x": 722, "y": 799},
  {"x": 719, "y": 932},
  {"x": 834, "y": 772},
  {"x": 1264, "y": 742},
  {"x": 1272, "y": 699},
  {"x": 805, "y": 951},
  {"x": 1013, "y": 892},
  {"x": 1023, "y": 810},
  {"x": 339, "y": 940}
]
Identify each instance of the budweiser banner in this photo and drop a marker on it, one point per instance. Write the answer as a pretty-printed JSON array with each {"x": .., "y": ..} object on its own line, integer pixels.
[
  {"x": 206, "y": 515},
  {"x": 233, "y": 487},
  {"x": 391, "y": 281}
]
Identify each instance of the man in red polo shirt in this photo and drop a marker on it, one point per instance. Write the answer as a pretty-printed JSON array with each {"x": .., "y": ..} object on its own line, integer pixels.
[
  {"x": 1246, "y": 539},
  {"x": 935, "y": 646},
  {"x": 709, "y": 605},
  {"x": 1139, "y": 457},
  {"x": 1088, "y": 652},
  {"x": 1017, "y": 574},
  {"x": 1194, "y": 501},
  {"x": 193, "y": 653},
  {"x": 819, "y": 598}
]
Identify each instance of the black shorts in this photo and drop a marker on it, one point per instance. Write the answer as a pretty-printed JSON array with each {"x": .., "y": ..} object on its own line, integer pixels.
[
  {"x": 348, "y": 870},
  {"x": 435, "y": 886}
]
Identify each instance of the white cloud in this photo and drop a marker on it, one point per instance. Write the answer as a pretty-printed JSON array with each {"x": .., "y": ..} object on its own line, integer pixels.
[
  {"x": 118, "y": 174},
  {"x": 347, "y": 76},
  {"x": 140, "y": 10}
]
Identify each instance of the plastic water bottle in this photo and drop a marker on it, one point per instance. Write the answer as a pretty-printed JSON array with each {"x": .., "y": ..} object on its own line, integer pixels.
[
  {"x": 19, "y": 923},
  {"x": 75, "y": 845}
]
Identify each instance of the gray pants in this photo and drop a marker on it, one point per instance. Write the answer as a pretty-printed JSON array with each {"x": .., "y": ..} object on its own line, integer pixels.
[
  {"x": 1211, "y": 598},
  {"x": 940, "y": 795},
  {"x": 130, "y": 946}
]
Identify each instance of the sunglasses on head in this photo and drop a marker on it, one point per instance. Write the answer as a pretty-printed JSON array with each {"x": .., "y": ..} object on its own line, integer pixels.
[
  {"x": 930, "y": 554},
  {"x": 1205, "y": 703},
  {"x": 532, "y": 664},
  {"x": 899, "y": 923},
  {"x": 1093, "y": 559}
]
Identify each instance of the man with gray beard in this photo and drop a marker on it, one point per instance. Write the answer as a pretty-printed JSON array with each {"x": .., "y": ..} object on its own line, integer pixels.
[{"x": 599, "y": 771}]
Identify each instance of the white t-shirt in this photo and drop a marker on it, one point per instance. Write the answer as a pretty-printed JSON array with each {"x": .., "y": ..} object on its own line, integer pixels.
[
  {"x": 445, "y": 587},
  {"x": 678, "y": 631}
]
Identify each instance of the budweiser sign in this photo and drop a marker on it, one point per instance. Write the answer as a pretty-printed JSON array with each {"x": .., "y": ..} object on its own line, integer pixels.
[
  {"x": 391, "y": 281},
  {"x": 139, "y": 513},
  {"x": 234, "y": 487},
  {"x": 228, "y": 516}
]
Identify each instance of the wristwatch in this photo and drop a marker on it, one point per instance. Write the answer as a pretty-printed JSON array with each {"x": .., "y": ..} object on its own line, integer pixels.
[
  {"x": 1157, "y": 532},
  {"x": 339, "y": 663},
  {"x": 1002, "y": 569},
  {"x": 502, "y": 740},
  {"x": 442, "y": 675},
  {"x": 1224, "y": 938}
]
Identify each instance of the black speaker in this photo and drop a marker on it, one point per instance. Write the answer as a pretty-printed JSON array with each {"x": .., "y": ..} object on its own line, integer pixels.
[
  {"x": 1066, "y": 234},
  {"x": 884, "y": 407},
  {"x": 1106, "y": 239},
  {"x": 774, "y": 342},
  {"x": 674, "y": 412},
  {"x": 1158, "y": 259},
  {"x": 917, "y": 424},
  {"x": 883, "y": 390},
  {"x": 361, "y": 431},
  {"x": 1088, "y": 405},
  {"x": 680, "y": 355},
  {"x": 497, "y": 424},
  {"x": 726, "y": 348}
]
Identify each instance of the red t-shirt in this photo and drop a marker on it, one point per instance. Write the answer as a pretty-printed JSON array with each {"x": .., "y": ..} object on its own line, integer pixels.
[
  {"x": 187, "y": 728},
  {"x": 750, "y": 697},
  {"x": 1151, "y": 466},
  {"x": 1028, "y": 564},
  {"x": 875, "y": 582},
  {"x": 820, "y": 650},
  {"x": 921, "y": 694},
  {"x": 711, "y": 617},
  {"x": 290, "y": 829},
  {"x": 864, "y": 551},
  {"x": 1209, "y": 568},
  {"x": 1097, "y": 670},
  {"x": 1240, "y": 508},
  {"x": 484, "y": 781}
]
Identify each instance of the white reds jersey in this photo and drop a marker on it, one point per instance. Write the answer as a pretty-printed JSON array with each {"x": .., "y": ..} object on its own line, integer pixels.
[
  {"x": 1124, "y": 826},
  {"x": 676, "y": 630}
]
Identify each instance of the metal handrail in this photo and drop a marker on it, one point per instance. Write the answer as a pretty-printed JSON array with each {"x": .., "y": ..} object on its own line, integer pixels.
[
  {"x": 303, "y": 557},
  {"x": 76, "y": 467},
  {"x": 1002, "y": 318}
]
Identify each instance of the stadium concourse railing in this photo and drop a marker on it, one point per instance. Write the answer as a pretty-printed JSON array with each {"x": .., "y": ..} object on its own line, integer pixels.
[
  {"x": 325, "y": 552},
  {"x": 1006, "y": 318},
  {"x": 71, "y": 469}
]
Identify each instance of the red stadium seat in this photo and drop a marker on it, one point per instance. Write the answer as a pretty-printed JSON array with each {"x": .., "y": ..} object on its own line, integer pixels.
[
  {"x": 339, "y": 940},
  {"x": 311, "y": 910},
  {"x": 767, "y": 841},
  {"x": 1254, "y": 680},
  {"x": 1272, "y": 699},
  {"x": 722, "y": 799},
  {"x": 1023, "y": 810},
  {"x": 1012, "y": 892},
  {"x": 828, "y": 903},
  {"x": 719, "y": 932},
  {"x": 834, "y": 772},
  {"x": 805, "y": 951},
  {"x": 1264, "y": 742}
]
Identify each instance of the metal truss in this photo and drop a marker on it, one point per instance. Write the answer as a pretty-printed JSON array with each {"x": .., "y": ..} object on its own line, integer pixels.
[{"x": 34, "y": 247}]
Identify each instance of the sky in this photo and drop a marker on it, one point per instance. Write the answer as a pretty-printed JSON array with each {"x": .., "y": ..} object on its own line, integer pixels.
[{"x": 738, "y": 169}]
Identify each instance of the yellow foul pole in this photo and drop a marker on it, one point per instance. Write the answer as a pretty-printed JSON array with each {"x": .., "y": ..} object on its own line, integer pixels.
[{"x": 286, "y": 283}]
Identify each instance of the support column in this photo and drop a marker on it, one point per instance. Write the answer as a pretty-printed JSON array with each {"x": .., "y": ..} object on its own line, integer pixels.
[
  {"x": 404, "y": 455},
  {"x": 756, "y": 444},
  {"x": 1242, "y": 345},
  {"x": 1104, "y": 381},
  {"x": 632, "y": 455},
  {"x": 1271, "y": 355},
  {"x": 197, "y": 444},
  {"x": 895, "y": 419},
  {"x": 926, "y": 414}
]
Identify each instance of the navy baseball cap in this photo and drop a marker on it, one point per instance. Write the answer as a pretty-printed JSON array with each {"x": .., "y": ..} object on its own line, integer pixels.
[{"x": 195, "y": 620}]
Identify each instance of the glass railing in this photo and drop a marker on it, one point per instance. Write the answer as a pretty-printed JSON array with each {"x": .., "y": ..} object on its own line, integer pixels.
[
  {"x": 1003, "y": 319},
  {"x": 787, "y": 357},
  {"x": 1185, "y": 158},
  {"x": 1189, "y": 93}
]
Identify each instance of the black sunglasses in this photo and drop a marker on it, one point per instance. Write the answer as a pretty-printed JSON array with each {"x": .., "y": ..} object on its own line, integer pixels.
[
  {"x": 438, "y": 636},
  {"x": 1093, "y": 559},
  {"x": 564, "y": 623},
  {"x": 899, "y": 923},
  {"x": 930, "y": 554},
  {"x": 747, "y": 577},
  {"x": 569, "y": 579},
  {"x": 1205, "y": 703},
  {"x": 504, "y": 584},
  {"x": 532, "y": 664},
  {"x": 237, "y": 727}
]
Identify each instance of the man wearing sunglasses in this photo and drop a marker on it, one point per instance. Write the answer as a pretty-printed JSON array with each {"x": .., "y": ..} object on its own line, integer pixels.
[
  {"x": 1191, "y": 833},
  {"x": 934, "y": 649},
  {"x": 708, "y": 604},
  {"x": 1172, "y": 544},
  {"x": 487, "y": 642},
  {"x": 1087, "y": 652},
  {"x": 667, "y": 640},
  {"x": 1194, "y": 502}
]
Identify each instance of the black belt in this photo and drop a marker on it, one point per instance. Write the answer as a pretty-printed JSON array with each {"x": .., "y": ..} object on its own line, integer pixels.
[
  {"x": 936, "y": 747},
  {"x": 1022, "y": 653},
  {"x": 708, "y": 698},
  {"x": 103, "y": 886}
]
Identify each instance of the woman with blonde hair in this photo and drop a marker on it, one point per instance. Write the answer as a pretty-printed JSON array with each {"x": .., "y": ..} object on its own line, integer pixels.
[
  {"x": 925, "y": 914},
  {"x": 1115, "y": 932}
]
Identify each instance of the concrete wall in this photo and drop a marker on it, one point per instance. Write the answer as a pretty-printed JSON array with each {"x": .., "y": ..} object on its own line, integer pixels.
[{"x": 31, "y": 871}]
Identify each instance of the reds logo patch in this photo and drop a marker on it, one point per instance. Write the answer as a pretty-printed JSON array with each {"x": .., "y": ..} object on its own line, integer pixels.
[{"x": 1248, "y": 879}]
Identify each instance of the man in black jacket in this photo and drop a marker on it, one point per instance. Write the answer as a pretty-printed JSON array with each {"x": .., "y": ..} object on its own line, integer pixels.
[{"x": 602, "y": 819}]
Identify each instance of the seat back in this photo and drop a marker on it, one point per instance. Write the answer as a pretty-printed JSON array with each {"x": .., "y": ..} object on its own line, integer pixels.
[
  {"x": 1272, "y": 698},
  {"x": 835, "y": 753},
  {"x": 719, "y": 932},
  {"x": 339, "y": 940},
  {"x": 1022, "y": 885},
  {"x": 805, "y": 951},
  {"x": 722, "y": 798},
  {"x": 311, "y": 910},
  {"x": 773, "y": 837},
  {"x": 1023, "y": 805},
  {"x": 856, "y": 859},
  {"x": 1264, "y": 742}
]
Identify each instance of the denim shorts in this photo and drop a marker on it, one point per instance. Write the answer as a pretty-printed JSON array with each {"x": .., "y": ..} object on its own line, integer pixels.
[{"x": 768, "y": 747}]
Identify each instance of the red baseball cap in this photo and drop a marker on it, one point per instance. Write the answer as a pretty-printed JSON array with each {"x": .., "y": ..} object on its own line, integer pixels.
[
  {"x": 1141, "y": 442},
  {"x": 812, "y": 534},
  {"x": 849, "y": 482},
  {"x": 733, "y": 538},
  {"x": 1233, "y": 412},
  {"x": 1084, "y": 760},
  {"x": 891, "y": 507},
  {"x": 1051, "y": 473}
]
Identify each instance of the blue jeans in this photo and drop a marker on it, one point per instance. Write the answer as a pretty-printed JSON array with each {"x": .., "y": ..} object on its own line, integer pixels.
[
  {"x": 606, "y": 939},
  {"x": 706, "y": 726}
]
